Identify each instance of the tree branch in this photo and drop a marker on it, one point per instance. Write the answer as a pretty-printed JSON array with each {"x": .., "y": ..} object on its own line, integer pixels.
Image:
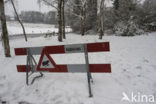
[
  {"x": 19, "y": 20},
  {"x": 50, "y": 4}
]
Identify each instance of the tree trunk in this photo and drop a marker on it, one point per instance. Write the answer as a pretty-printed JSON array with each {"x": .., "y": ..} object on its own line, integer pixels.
[
  {"x": 63, "y": 20},
  {"x": 5, "y": 37},
  {"x": 19, "y": 20},
  {"x": 60, "y": 20},
  {"x": 83, "y": 18},
  {"x": 91, "y": 15},
  {"x": 82, "y": 26},
  {"x": 101, "y": 27},
  {"x": 94, "y": 15},
  {"x": 101, "y": 19}
]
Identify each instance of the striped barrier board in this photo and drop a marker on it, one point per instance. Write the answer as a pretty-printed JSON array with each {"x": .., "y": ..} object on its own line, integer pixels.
[{"x": 61, "y": 49}]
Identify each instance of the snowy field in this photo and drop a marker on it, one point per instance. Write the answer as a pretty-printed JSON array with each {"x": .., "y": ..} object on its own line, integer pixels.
[
  {"x": 30, "y": 28},
  {"x": 133, "y": 61}
]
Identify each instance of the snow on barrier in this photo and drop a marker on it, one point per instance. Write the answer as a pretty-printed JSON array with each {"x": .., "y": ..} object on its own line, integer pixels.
[{"x": 46, "y": 63}]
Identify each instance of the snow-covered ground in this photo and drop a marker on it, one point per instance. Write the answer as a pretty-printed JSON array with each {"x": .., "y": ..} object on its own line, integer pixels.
[
  {"x": 15, "y": 28},
  {"x": 133, "y": 61}
]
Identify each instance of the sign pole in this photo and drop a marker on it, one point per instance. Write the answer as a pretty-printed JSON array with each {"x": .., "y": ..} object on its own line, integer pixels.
[
  {"x": 29, "y": 65},
  {"x": 88, "y": 70},
  {"x": 27, "y": 69}
]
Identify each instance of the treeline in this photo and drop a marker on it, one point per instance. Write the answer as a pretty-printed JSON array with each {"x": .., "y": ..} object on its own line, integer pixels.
[
  {"x": 82, "y": 15},
  {"x": 125, "y": 17},
  {"x": 38, "y": 17}
]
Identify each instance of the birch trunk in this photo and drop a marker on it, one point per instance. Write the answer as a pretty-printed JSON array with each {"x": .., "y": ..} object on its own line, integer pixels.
[
  {"x": 60, "y": 20},
  {"x": 5, "y": 37},
  {"x": 101, "y": 19},
  {"x": 83, "y": 18},
  {"x": 63, "y": 20}
]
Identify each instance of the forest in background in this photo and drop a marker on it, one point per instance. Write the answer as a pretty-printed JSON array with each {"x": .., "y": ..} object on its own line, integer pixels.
[{"x": 124, "y": 18}]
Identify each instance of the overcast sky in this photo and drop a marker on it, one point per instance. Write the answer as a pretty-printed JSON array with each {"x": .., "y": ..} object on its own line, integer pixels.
[
  {"x": 32, "y": 5},
  {"x": 27, "y": 5}
]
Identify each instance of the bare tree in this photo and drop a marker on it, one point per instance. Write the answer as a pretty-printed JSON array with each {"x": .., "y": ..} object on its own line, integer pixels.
[
  {"x": 5, "y": 37},
  {"x": 83, "y": 16},
  {"x": 39, "y": 4},
  {"x": 101, "y": 18},
  {"x": 91, "y": 15},
  {"x": 63, "y": 20},
  {"x": 19, "y": 20},
  {"x": 81, "y": 7},
  {"x": 59, "y": 6},
  {"x": 60, "y": 20}
]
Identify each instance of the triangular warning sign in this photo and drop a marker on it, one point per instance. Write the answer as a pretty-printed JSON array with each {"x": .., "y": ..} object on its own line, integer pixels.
[{"x": 46, "y": 63}]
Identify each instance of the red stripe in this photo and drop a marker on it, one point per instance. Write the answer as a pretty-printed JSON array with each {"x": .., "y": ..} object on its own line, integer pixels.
[
  {"x": 22, "y": 68},
  {"x": 97, "y": 68},
  {"x": 20, "y": 51},
  {"x": 98, "y": 47},
  {"x": 94, "y": 68},
  {"x": 55, "y": 49}
]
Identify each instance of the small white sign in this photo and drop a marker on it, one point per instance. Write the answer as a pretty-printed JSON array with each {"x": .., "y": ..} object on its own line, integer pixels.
[{"x": 74, "y": 48}]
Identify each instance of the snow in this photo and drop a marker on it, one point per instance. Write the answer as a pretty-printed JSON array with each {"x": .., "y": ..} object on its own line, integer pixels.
[
  {"x": 133, "y": 62},
  {"x": 15, "y": 28}
]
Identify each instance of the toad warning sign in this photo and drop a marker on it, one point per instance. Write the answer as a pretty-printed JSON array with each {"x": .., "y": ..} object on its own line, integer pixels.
[{"x": 46, "y": 62}]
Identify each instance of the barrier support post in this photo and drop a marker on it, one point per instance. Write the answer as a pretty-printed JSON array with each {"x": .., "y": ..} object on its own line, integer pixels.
[
  {"x": 30, "y": 67},
  {"x": 27, "y": 69},
  {"x": 89, "y": 77}
]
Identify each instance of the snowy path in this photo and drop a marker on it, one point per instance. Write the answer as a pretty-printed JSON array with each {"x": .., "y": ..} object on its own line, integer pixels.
[{"x": 133, "y": 63}]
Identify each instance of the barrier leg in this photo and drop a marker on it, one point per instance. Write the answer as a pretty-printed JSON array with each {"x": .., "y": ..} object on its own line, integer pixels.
[
  {"x": 27, "y": 71},
  {"x": 41, "y": 75},
  {"x": 89, "y": 86},
  {"x": 30, "y": 65},
  {"x": 88, "y": 71}
]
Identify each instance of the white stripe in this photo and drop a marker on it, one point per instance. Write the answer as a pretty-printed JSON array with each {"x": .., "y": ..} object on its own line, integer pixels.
[
  {"x": 36, "y": 50},
  {"x": 77, "y": 68}
]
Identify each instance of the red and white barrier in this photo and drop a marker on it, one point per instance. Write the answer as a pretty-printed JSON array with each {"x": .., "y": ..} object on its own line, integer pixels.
[{"x": 46, "y": 63}]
